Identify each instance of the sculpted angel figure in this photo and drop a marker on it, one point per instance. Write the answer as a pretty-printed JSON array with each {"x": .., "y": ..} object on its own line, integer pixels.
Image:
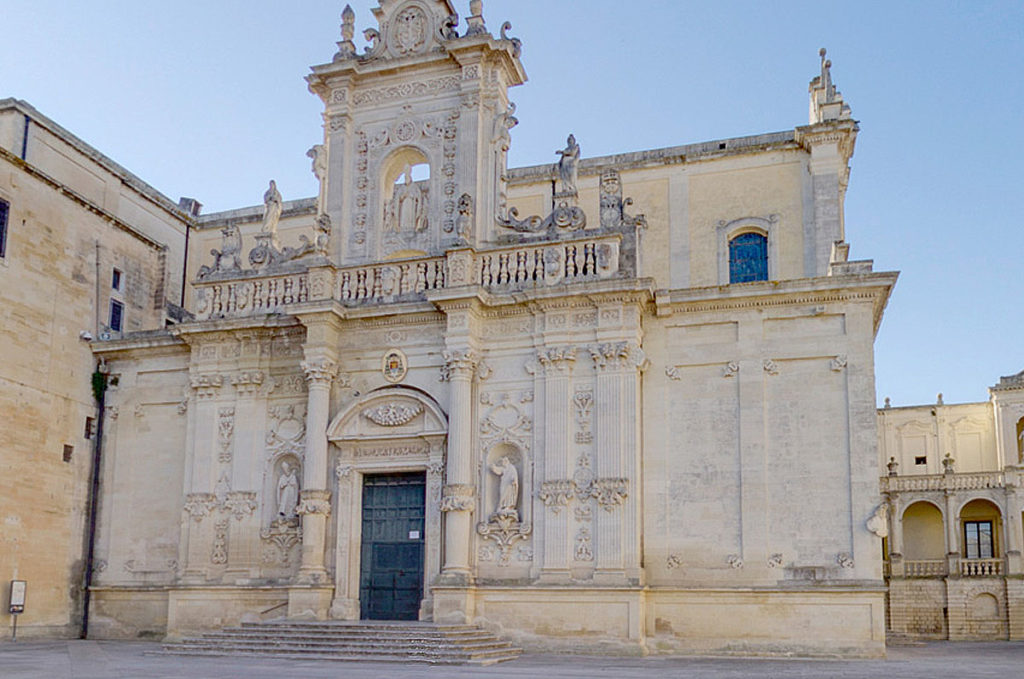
[
  {"x": 508, "y": 488},
  {"x": 287, "y": 492},
  {"x": 567, "y": 165},
  {"x": 271, "y": 208}
]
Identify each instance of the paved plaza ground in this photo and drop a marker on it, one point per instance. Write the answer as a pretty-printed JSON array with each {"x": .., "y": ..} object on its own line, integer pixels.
[{"x": 128, "y": 660}]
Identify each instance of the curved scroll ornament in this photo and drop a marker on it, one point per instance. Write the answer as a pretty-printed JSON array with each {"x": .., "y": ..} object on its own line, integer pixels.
[
  {"x": 457, "y": 497},
  {"x": 532, "y": 224},
  {"x": 878, "y": 523},
  {"x": 393, "y": 414},
  {"x": 505, "y": 531}
]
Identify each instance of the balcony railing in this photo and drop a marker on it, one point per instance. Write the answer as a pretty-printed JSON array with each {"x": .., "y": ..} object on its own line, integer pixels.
[
  {"x": 924, "y": 568},
  {"x": 241, "y": 293},
  {"x": 958, "y": 481},
  {"x": 981, "y": 567}
]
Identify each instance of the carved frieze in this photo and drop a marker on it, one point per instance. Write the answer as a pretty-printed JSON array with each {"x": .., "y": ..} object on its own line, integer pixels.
[
  {"x": 240, "y": 503},
  {"x": 248, "y": 382},
  {"x": 198, "y": 505},
  {"x": 609, "y": 493},
  {"x": 556, "y": 494},
  {"x": 219, "y": 553},
  {"x": 206, "y": 385},
  {"x": 391, "y": 451},
  {"x": 393, "y": 414}
]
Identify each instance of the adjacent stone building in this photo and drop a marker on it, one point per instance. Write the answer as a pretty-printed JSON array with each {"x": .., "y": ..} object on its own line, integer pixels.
[
  {"x": 621, "y": 403},
  {"x": 953, "y": 556}
]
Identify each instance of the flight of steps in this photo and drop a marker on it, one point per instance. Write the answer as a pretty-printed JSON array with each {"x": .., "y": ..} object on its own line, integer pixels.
[{"x": 364, "y": 640}]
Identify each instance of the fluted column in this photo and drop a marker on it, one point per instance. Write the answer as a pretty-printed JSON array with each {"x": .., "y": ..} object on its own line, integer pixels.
[
  {"x": 557, "y": 490},
  {"x": 315, "y": 498},
  {"x": 459, "y": 494}
]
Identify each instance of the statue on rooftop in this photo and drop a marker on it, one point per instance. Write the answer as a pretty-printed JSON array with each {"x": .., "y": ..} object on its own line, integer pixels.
[
  {"x": 272, "y": 206},
  {"x": 567, "y": 166}
]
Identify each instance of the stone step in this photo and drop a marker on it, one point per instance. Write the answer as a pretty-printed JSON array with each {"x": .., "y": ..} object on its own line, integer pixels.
[
  {"x": 489, "y": 660},
  {"x": 412, "y": 645},
  {"x": 352, "y": 634},
  {"x": 372, "y": 641}
]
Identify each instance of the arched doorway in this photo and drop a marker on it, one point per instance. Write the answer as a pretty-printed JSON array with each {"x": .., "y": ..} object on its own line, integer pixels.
[
  {"x": 924, "y": 540},
  {"x": 389, "y": 450}
]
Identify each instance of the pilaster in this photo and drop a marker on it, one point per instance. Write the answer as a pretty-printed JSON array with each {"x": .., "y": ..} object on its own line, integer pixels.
[{"x": 556, "y": 365}]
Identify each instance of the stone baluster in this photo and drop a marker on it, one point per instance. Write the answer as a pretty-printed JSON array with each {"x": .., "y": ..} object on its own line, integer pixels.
[
  {"x": 459, "y": 494},
  {"x": 315, "y": 498}
]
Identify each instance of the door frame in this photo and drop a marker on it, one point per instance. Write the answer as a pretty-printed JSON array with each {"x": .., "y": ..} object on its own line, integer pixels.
[{"x": 359, "y": 448}]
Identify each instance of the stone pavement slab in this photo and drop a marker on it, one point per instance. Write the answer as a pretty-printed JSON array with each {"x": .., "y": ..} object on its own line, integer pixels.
[{"x": 128, "y": 660}]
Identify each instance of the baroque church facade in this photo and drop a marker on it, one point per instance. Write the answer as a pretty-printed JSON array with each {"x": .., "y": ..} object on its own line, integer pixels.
[{"x": 617, "y": 403}]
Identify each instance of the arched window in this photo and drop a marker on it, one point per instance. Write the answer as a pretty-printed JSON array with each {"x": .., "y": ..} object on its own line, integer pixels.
[{"x": 748, "y": 258}]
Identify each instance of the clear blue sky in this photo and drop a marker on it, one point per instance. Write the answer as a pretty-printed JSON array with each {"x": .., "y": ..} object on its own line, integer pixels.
[{"x": 207, "y": 99}]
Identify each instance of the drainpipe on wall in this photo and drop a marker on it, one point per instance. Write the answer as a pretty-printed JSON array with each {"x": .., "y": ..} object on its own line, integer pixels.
[
  {"x": 99, "y": 392},
  {"x": 24, "y": 138}
]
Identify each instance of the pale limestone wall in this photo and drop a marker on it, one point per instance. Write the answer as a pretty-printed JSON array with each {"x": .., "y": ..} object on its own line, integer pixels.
[
  {"x": 99, "y": 180},
  {"x": 977, "y": 608},
  {"x": 966, "y": 431},
  {"x": 50, "y": 293}
]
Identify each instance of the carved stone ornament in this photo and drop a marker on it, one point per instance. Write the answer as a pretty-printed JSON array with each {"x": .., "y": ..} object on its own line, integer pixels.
[
  {"x": 770, "y": 366},
  {"x": 775, "y": 560},
  {"x": 673, "y": 562},
  {"x": 240, "y": 503},
  {"x": 505, "y": 531},
  {"x": 609, "y": 493},
  {"x": 283, "y": 534},
  {"x": 219, "y": 554},
  {"x": 393, "y": 414},
  {"x": 672, "y": 372},
  {"x": 458, "y": 362},
  {"x": 464, "y": 222},
  {"x": 584, "y": 550},
  {"x": 458, "y": 497},
  {"x": 556, "y": 494},
  {"x": 734, "y": 561},
  {"x": 225, "y": 432},
  {"x": 845, "y": 560},
  {"x": 314, "y": 502},
  {"x": 229, "y": 258},
  {"x": 731, "y": 369},
  {"x": 878, "y": 523},
  {"x": 613, "y": 214},
  {"x": 837, "y": 364},
  {"x": 320, "y": 372},
  {"x": 394, "y": 365},
  {"x": 198, "y": 505}
]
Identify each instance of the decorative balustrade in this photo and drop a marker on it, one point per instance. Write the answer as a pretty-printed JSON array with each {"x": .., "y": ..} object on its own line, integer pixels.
[
  {"x": 965, "y": 481},
  {"x": 248, "y": 296},
  {"x": 389, "y": 281},
  {"x": 548, "y": 263},
  {"x": 923, "y": 568},
  {"x": 981, "y": 567},
  {"x": 248, "y": 293}
]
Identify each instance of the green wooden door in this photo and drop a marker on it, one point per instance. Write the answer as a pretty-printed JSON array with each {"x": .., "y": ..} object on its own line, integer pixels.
[{"x": 391, "y": 561}]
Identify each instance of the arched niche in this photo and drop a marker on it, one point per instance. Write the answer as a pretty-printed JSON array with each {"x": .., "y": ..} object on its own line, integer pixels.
[
  {"x": 924, "y": 537},
  {"x": 405, "y": 196}
]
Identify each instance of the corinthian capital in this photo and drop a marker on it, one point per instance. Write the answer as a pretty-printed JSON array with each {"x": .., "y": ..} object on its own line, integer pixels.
[
  {"x": 314, "y": 502},
  {"x": 320, "y": 371},
  {"x": 459, "y": 363}
]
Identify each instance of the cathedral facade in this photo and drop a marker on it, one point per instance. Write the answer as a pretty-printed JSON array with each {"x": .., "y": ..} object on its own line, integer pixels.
[{"x": 621, "y": 403}]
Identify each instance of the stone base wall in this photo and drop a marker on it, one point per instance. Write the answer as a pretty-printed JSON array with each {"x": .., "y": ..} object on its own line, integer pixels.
[
  {"x": 977, "y": 608},
  {"x": 1015, "y": 607},
  {"x": 917, "y": 607},
  {"x": 847, "y": 623}
]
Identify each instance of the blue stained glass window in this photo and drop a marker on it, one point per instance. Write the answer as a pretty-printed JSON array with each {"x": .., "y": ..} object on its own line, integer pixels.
[{"x": 748, "y": 258}]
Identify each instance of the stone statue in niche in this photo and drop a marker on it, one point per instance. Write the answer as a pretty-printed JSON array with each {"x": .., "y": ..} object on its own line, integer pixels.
[
  {"x": 272, "y": 205},
  {"x": 508, "y": 489},
  {"x": 407, "y": 210},
  {"x": 464, "y": 224},
  {"x": 287, "y": 492},
  {"x": 567, "y": 167}
]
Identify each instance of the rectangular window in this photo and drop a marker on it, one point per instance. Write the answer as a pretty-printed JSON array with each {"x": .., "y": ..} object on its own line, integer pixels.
[
  {"x": 921, "y": 460},
  {"x": 68, "y": 452},
  {"x": 90, "y": 427},
  {"x": 978, "y": 539},
  {"x": 115, "y": 280},
  {"x": 5, "y": 209},
  {"x": 116, "y": 315}
]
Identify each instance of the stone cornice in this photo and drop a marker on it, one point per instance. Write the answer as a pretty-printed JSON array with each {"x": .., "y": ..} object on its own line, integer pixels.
[
  {"x": 874, "y": 287},
  {"x": 200, "y": 330},
  {"x": 155, "y": 342}
]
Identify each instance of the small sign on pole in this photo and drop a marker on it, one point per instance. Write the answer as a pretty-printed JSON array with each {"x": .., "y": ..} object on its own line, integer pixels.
[{"x": 16, "y": 604}]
